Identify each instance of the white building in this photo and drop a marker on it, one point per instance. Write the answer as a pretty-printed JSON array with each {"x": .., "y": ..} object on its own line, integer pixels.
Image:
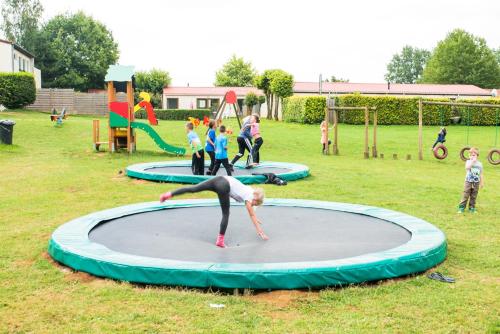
[
  {"x": 205, "y": 97},
  {"x": 14, "y": 58}
]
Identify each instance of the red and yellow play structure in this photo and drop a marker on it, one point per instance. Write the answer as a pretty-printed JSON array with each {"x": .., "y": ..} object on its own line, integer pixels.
[{"x": 121, "y": 119}]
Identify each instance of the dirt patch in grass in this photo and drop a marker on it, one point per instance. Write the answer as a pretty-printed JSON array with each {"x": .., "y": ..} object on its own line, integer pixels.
[
  {"x": 283, "y": 298},
  {"x": 70, "y": 274},
  {"x": 139, "y": 181}
]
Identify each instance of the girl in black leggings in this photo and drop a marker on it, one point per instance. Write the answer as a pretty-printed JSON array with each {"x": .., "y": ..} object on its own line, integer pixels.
[{"x": 227, "y": 187}]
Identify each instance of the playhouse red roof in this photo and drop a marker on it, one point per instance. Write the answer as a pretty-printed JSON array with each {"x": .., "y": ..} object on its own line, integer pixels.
[
  {"x": 384, "y": 88},
  {"x": 210, "y": 91}
]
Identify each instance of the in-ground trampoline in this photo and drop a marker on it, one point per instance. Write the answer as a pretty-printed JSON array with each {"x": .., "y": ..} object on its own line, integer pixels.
[
  {"x": 312, "y": 244},
  {"x": 180, "y": 171}
]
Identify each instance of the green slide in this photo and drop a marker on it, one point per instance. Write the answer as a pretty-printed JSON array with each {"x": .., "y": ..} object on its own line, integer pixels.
[{"x": 157, "y": 139}]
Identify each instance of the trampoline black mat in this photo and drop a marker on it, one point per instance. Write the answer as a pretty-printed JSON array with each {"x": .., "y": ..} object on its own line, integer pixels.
[
  {"x": 222, "y": 171},
  {"x": 297, "y": 234}
]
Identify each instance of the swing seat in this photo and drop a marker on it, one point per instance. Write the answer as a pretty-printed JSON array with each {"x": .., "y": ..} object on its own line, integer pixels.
[
  {"x": 462, "y": 153},
  {"x": 491, "y": 153},
  {"x": 440, "y": 152}
]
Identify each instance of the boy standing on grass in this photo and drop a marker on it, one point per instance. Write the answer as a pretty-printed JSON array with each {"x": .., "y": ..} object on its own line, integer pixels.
[
  {"x": 473, "y": 180},
  {"x": 221, "y": 152},
  {"x": 198, "y": 161}
]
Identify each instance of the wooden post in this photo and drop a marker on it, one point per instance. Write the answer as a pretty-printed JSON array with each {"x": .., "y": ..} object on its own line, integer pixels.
[
  {"x": 374, "y": 147},
  {"x": 130, "y": 100},
  {"x": 366, "y": 153},
  {"x": 95, "y": 133},
  {"x": 420, "y": 144},
  {"x": 327, "y": 121},
  {"x": 395, "y": 156},
  {"x": 111, "y": 131},
  {"x": 335, "y": 133}
]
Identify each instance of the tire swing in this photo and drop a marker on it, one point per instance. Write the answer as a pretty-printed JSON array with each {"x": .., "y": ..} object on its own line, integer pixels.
[
  {"x": 466, "y": 148},
  {"x": 494, "y": 151},
  {"x": 440, "y": 151}
]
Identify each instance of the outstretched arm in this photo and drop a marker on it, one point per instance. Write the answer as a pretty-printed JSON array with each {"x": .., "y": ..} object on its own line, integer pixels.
[{"x": 255, "y": 221}]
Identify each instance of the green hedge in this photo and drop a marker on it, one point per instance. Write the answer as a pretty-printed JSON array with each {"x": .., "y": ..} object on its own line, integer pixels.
[
  {"x": 176, "y": 114},
  {"x": 390, "y": 110},
  {"x": 17, "y": 89}
]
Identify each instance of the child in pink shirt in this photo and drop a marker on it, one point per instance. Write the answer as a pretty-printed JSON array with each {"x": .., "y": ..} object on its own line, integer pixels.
[{"x": 257, "y": 139}]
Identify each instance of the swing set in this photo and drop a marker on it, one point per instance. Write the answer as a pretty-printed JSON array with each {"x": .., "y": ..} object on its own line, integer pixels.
[{"x": 491, "y": 154}]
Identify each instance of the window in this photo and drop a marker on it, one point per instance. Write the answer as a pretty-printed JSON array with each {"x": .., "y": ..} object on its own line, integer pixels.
[
  {"x": 201, "y": 103},
  {"x": 19, "y": 67},
  {"x": 172, "y": 103},
  {"x": 214, "y": 103}
]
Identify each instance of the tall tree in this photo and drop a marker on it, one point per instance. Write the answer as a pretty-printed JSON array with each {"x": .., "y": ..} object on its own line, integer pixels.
[
  {"x": 281, "y": 87},
  {"x": 496, "y": 52},
  {"x": 407, "y": 66},
  {"x": 236, "y": 73},
  {"x": 152, "y": 82},
  {"x": 75, "y": 51},
  {"x": 462, "y": 58},
  {"x": 21, "y": 20},
  {"x": 263, "y": 82}
]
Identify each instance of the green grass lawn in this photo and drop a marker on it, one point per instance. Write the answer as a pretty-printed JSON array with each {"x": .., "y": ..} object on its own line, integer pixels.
[{"x": 51, "y": 175}]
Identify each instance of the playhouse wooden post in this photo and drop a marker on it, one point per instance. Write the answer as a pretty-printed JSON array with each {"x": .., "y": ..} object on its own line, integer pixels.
[
  {"x": 335, "y": 132},
  {"x": 367, "y": 118},
  {"x": 130, "y": 100},
  {"x": 374, "y": 147},
  {"x": 420, "y": 144},
  {"x": 111, "y": 131}
]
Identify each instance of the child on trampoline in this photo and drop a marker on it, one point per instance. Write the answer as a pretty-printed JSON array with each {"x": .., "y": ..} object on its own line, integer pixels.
[
  {"x": 227, "y": 187},
  {"x": 244, "y": 142},
  {"x": 210, "y": 144},
  {"x": 257, "y": 138},
  {"x": 221, "y": 152},
  {"x": 473, "y": 180},
  {"x": 441, "y": 137},
  {"x": 198, "y": 163}
]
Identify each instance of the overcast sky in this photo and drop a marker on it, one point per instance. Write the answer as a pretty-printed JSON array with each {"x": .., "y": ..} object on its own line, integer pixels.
[{"x": 349, "y": 39}]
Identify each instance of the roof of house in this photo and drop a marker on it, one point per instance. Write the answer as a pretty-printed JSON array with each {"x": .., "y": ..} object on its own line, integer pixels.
[
  {"x": 18, "y": 48},
  {"x": 210, "y": 91},
  {"x": 383, "y": 88}
]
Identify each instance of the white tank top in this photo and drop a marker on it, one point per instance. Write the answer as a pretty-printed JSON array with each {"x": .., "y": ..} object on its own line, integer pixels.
[{"x": 238, "y": 191}]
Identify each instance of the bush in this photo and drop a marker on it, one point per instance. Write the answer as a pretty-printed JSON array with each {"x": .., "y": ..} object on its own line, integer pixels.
[
  {"x": 293, "y": 109},
  {"x": 390, "y": 110},
  {"x": 176, "y": 114},
  {"x": 17, "y": 89}
]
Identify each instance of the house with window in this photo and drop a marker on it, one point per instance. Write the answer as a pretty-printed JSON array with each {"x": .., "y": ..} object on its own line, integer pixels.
[
  {"x": 14, "y": 58},
  {"x": 205, "y": 97}
]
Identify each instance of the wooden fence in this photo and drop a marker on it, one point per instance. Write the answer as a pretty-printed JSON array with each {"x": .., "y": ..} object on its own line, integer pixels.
[{"x": 74, "y": 102}]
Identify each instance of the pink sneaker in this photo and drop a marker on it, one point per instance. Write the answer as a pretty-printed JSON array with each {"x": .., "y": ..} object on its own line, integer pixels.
[
  {"x": 165, "y": 196},
  {"x": 220, "y": 241}
]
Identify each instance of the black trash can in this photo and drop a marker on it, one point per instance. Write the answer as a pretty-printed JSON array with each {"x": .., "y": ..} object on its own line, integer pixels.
[{"x": 6, "y": 130}]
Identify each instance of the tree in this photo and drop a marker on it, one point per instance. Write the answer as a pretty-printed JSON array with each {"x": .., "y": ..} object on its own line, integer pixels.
[
  {"x": 21, "y": 20},
  {"x": 152, "y": 82},
  {"x": 281, "y": 87},
  {"x": 496, "y": 52},
  {"x": 250, "y": 100},
  {"x": 75, "y": 51},
  {"x": 335, "y": 79},
  {"x": 407, "y": 66},
  {"x": 263, "y": 82},
  {"x": 235, "y": 73},
  {"x": 462, "y": 58}
]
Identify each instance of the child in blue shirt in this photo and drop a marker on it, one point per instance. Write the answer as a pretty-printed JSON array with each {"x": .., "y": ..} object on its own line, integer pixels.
[
  {"x": 210, "y": 144},
  {"x": 221, "y": 152},
  {"x": 198, "y": 163}
]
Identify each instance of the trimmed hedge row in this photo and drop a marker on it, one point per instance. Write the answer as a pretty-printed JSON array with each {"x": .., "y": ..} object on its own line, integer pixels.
[
  {"x": 17, "y": 89},
  {"x": 391, "y": 110},
  {"x": 176, "y": 114}
]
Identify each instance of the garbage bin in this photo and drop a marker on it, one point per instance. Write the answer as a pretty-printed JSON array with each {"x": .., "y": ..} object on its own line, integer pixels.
[{"x": 6, "y": 130}]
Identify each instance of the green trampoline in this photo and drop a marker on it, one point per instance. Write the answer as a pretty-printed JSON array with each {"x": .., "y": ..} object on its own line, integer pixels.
[
  {"x": 313, "y": 244},
  {"x": 180, "y": 171}
]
